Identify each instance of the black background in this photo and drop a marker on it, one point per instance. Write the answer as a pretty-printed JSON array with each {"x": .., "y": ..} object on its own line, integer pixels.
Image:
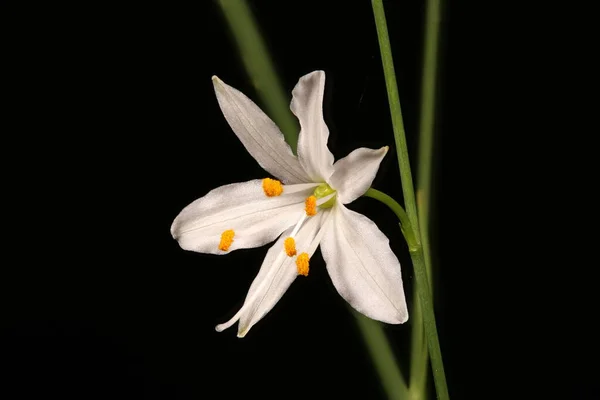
[{"x": 116, "y": 112}]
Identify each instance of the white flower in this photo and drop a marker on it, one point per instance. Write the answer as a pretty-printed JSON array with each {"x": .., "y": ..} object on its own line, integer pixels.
[{"x": 304, "y": 209}]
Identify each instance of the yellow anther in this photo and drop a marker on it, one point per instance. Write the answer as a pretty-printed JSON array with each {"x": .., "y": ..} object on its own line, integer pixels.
[
  {"x": 226, "y": 239},
  {"x": 272, "y": 187},
  {"x": 311, "y": 206},
  {"x": 290, "y": 246},
  {"x": 302, "y": 264}
]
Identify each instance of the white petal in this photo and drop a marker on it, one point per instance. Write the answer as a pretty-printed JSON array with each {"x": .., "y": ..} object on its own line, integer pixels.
[
  {"x": 276, "y": 274},
  {"x": 242, "y": 207},
  {"x": 363, "y": 268},
  {"x": 354, "y": 173},
  {"x": 307, "y": 105},
  {"x": 259, "y": 135}
]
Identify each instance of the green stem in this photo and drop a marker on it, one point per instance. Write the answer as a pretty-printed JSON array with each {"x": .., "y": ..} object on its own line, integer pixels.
[
  {"x": 381, "y": 352},
  {"x": 396, "y": 114},
  {"x": 417, "y": 255},
  {"x": 429, "y": 324},
  {"x": 405, "y": 225},
  {"x": 426, "y": 123},
  {"x": 259, "y": 67},
  {"x": 419, "y": 354}
]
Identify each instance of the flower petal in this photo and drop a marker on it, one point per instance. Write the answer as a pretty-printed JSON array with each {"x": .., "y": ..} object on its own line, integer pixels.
[
  {"x": 363, "y": 268},
  {"x": 276, "y": 274},
  {"x": 259, "y": 135},
  {"x": 255, "y": 218},
  {"x": 354, "y": 173},
  {"x": 307, "y": 105}
]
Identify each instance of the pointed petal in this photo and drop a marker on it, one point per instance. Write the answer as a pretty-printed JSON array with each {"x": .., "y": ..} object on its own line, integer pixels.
[
  {"x": 363, "y": 268},
  {"x": 282, "y": 278},
  {"x": 354, "y": 173},
  {"x": 307, "y": 105},
  {"x": 259, "y": 135},
  {"x": 276, "y": 274},
  {"x": 242, "y": 207}
]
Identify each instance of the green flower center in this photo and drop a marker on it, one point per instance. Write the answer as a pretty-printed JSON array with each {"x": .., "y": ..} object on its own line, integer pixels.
[{"x": 324, "y": 190}]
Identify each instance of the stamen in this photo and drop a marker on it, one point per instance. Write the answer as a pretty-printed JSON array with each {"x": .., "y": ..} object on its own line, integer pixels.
[
  {"x": 298, "y": 225},
  {"x": 302, "y": 264},
  {"x": 226, "y": 239},
  {"x": 290, "y": 246},
  {"x": 272, "y": 187},
  {"x": 311, "y": 206}
]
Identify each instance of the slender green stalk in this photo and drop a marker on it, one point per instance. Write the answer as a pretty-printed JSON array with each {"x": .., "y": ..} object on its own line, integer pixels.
[
  {"x": 260, "y": 68},
  {"x": 427, "y": 118},
  {"x": 382, "y": 355},
  {"x": 429, "y": 325},
  {"x": 405, "y": 224},
  {"x": 419, "y": 354},
  {"x": 418, "y": 258},
  {"x": 262, "y": 73},
  {"x": 425, "y": 297},
  {"x": 397, "y": 123}
]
